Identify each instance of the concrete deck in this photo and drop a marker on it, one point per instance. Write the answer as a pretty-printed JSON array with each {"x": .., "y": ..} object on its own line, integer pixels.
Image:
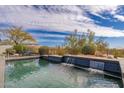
[
  {"x": 21, "y": 58},
  {"x": 2, "y": 70},
  {"x": 121, "y": 61}
]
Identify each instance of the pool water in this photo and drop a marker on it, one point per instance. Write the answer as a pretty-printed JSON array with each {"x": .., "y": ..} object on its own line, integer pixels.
[{"x": 38, "y": 73}]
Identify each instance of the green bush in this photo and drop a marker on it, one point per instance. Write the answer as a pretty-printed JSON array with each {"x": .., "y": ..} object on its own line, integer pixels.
[
  {"x": 20, "y": 48},
  {"x": 43, "y": 50},
  {"x": 88, "y": 49}
]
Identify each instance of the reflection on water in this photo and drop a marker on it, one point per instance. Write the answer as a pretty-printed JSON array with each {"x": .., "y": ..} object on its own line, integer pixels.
[{"x": 40, "y": 73}]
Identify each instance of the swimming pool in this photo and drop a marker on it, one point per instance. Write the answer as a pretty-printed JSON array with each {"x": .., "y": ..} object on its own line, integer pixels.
[{"x": 38, "y": 73}]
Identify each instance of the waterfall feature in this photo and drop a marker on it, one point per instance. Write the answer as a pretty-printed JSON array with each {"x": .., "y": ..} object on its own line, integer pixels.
[
  {"x": 110, "y": 67},
  {"x": 69, "y": 61}
]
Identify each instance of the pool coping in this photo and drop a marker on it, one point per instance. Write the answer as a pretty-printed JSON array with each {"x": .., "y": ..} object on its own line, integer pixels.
[{"x": 21, "y": 58}]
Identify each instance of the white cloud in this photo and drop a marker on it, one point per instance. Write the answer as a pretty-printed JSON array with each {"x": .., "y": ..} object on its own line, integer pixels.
[
  {"x": 101, "y": 8},
  {"x": 75, "y": 18},
  {"x": 47, "y": 35},
  {"x": 106, "y": 31},
  {"x": 98, "y": 9},
  {"x": 119, "y": 17}
]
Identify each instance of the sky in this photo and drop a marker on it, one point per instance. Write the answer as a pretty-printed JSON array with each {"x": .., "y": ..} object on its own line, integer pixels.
[{"x": 50, "y": 24}]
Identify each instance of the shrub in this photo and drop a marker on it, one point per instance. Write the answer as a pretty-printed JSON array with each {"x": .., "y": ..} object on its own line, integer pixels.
[
  {"x": 20, "y": 49},
  {"x": 73, "y": 51},
  {"x": 88, "y": 49},
  {"x": 43, "y": 50},
  {"x": 60, "y": 51},
  {"x": 33, "y": 49}
]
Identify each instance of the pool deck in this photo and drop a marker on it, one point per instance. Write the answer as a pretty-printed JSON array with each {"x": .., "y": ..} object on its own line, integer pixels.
[
  {"x": 2, "y": 70},
  {"x": 121, "y": 61},
  {"x": 21, "y": 58}
]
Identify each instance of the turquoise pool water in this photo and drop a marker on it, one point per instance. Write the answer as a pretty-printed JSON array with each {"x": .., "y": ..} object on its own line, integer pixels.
[{"x": 37, "y": 73}]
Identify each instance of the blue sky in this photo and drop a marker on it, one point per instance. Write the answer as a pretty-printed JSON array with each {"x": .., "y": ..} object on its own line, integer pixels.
[{"x": 51, "y": 24}]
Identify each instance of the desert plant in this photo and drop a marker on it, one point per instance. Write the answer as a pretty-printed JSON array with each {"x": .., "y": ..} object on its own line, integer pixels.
[
  {"x": 102, "y": 45},
  {"x": 18, "y": 36},
  {"x": 88, "y": 49},
  {"x": 43, "y": 50},
  {"x": 20, "y": 49}
]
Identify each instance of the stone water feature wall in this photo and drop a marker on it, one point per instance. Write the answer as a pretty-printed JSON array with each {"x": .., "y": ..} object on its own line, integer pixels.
[{"x": 111, "y": 67}]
